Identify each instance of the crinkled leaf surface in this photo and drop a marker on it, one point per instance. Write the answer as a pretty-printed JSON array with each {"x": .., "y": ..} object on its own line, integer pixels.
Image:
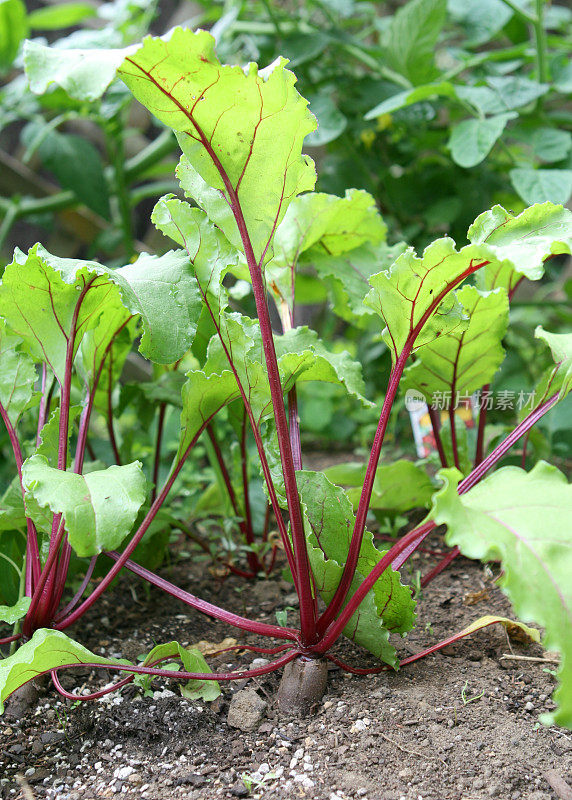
[
  {"x": 192, "y": 661},
  {"x": 17, "y": 376},
  {"x": 39, "y": 296},
  {"x": 523, "y": 519},
  {"x": 329, "y": 523},
  {"x": 240, "y": 130},
  {"x": 463, "y": 360},
  {"x": 521, "y": 242},
  {"x": 99, "y": 508},
  {"x": 333, "y": 225},
  {"x": 46, "y": 650}
]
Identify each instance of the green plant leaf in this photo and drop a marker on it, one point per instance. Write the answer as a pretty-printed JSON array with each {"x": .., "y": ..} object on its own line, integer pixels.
[
  {"x": 472, "y": 140},
  {"x": 192, "y": 661},
  {"x": 538, "y": 185},
  {"x": 331, "y": 122},
  {"x": 17, "y": 376},
  {"x": 551, "y": 144},
  {"x": 329, "y": 523},
  {"x": 515, "y": 92},
  {"x": 82, "y": 74},
  {"x": 559, "y": 378},
  {"x": 241, "y": 130},
  {"x": 13, "y": 28},
  {"x": 46, "y": 650},
  {"x": 321, "y": 223},
  {"x": 203, "y": 396},
  {"x": 410, "y": 96},
  {"x": 77, "y": 165},
  {"x": 505, "y": 517},
  {"x": 480, "y": 19},
  {"x": 99, "y": 508},
  {"x": 521, "y": 242},
  {"x": 50, "y": 436},
  {"x": 463, "y": 360},
  {"x": 409, "y": 42},
  {"x": 64, "y": 15},
  {"x": 11, "y": 614}
]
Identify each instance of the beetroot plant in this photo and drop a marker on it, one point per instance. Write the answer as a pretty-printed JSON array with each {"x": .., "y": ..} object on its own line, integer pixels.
[{"x": 251, "y": 213}]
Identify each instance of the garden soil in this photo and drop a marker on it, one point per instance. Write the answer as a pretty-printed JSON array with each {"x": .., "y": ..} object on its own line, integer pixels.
[{"x": 462, "y": 724}]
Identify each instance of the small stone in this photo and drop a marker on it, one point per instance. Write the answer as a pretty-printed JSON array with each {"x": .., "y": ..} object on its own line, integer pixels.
[
  {"x": 529, "y": 706},
  {"x": 246, "y": 710},
  {"x": 259, "y": 662},
  {"x": 478, "y": 783},
  {"x": 239, "y": 790},
  {"x": 122, "y": 773}
]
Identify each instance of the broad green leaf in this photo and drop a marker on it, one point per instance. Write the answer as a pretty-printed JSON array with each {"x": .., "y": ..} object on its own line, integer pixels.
[
  {"x": 50, "y": 436},
  {"x": 480, "y": 19},
  {"x": 551, "y": 144},
  {"x": 12, "y": 614},
  {"x": 472, "y": 140},
  {"x": 410, "y": 96},
  {"x": 39, "y": 295},
  {"x": 559, "y": 378},
  {"x": 46, "y": 650},
  {"x": 521, "y": 242},
  {"x": 538, "y": 185},
  {"x": 241, "y": 131},
  {"x": 409, "y": 42},
  {"x": 463, "y": 360},
  {"x": 12, "y": 512},
  {"x": 347, "y": 275},
  {"x": 99, "y": 508},
  {"x": 192, "y": 661},
  {"x": 203, "y": 397},
  {"x": 63, "y": 15},
  {"x": 329, "y": 518},
  {"x": 331, "y": 122},
  {"x": 82, "y": 74},
  {"x": 483, "y": 99},
  {"x": 515, "y": 92},
  {"x": 397, "y": 487},
  {"x": 505, "y": 517},
  {"x": 322, "y": 223},
  {"x": 77, "y": 165},
  {"x": 13, "y": 28},
  {"x": 17, "y": 376}
]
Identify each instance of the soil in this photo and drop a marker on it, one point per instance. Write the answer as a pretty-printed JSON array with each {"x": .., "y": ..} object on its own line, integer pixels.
[{"x": 462, "y": 724}]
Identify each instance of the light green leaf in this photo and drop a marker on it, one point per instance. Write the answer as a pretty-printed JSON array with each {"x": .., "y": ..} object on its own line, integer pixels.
[
  {"x": 463, "y": 360},
  {"x": 505, "y": 517},
  {"x": 13, "y": 28},
  {"x": 429, "y": 91},
  {"x": 329, "y": 522},
  {"x": 82, "y": 74},
  {"x": 17, "y": 376},
  {"x": 515, "y": 92},
  {"x": 11, "y": 614},
  {"x": 192, "y": 661},
  {"x": 522, "y": 242},
  {"x": 99, "y": 508},
  {"x": 241, "y": 130},
  {"x": 559, "y": 378},
  {"x": 203, "y": 396},
  {"x": 538, "y": 185},
  {"x": 481, "y": 19},
  {"x": 551, "y": 144},
  {"x": 410, "y": 39},
  {"x": 46, "y": 650},
  {"x": 472, "y": 140},
  {"x": 63, "y": 15},
  {"x": 50, "y": 436},
  {"x": 331, "y": 122}
]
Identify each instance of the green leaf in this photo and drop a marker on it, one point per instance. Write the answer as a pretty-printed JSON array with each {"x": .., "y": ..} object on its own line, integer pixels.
[
  {"x": 321, "y": 224},
  {"x": 410, "y": 40},
  {"x": 11, "y": 614},
  {"x": 203, "y": 397},
  {"x": 99, "y": 508},
  {"x": 46, "y": 650},
  {"x": 463, "y": 360},
  {"x": 538, "y": 185},
  {"x": 13, "y": 28},
  {"x": 505, "y": 517},
  {"x": 50, "y": 436},
  {"x": 472, "y": 140},
  {"x": 559, "y": 378},
  {"x": 329, "y": 522},
  {"x": 77, "y": 165},
  {"x": 331, "y": 122},
  {"x": 397, "y": 487},
  {"x": 551, "y": 144},
  {"x": 241, "y": 131},
  {"x": 82, "y": 74},
  {"x": 521, "y": 243},
  {"x": 410, "y": 96},
  {"x": 192, "y": 661},
  {"x": 17, "y": 376},
  {"x": 63, "y": 15},
  {"x": 481, "y": 19},
  {"x": 515, "y": 92}
]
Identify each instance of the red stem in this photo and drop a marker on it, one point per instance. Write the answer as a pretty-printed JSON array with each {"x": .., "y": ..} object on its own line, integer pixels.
[{"x": 436, "y": 425}]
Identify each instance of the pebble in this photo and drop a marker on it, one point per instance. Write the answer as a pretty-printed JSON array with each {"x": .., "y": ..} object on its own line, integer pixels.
[
  {"x": 246, "y": 710},
  {"x": 529, "y": 706}
]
